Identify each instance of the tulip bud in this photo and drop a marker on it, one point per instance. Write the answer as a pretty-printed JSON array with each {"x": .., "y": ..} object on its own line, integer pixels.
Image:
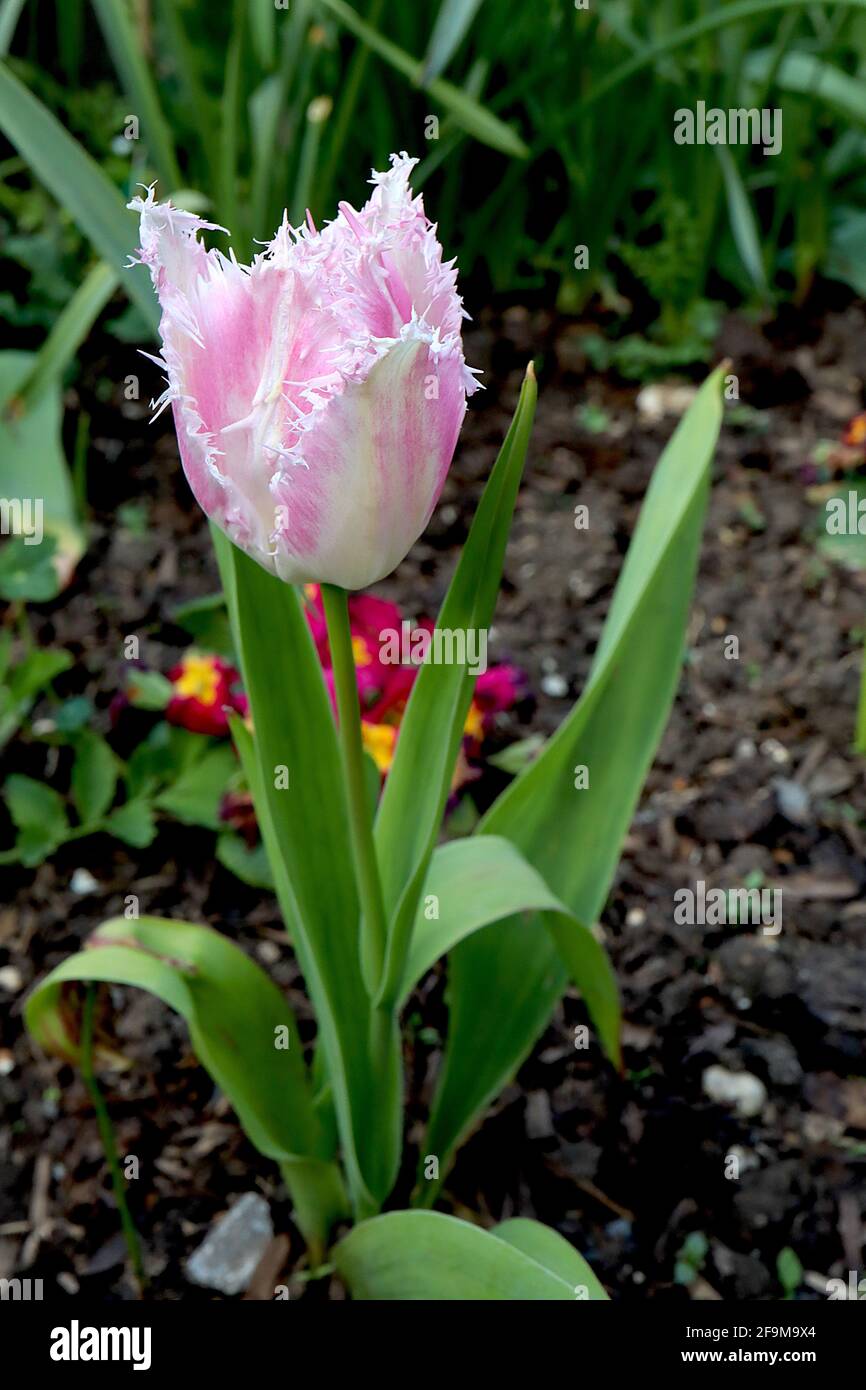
[{"x": 317, "y": 393}]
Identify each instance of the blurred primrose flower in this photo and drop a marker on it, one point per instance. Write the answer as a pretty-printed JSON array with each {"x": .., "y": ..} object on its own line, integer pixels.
[
  {"x": 204, "y": 689},
  {"x": 317, "y": 393}
]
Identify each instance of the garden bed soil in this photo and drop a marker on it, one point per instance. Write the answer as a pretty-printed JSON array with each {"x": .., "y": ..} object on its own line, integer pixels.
[{"x": 755, "y": 776}]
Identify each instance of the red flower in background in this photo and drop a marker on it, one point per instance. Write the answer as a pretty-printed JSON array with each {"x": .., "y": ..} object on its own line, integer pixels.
[{"x": 205, "y": 688}]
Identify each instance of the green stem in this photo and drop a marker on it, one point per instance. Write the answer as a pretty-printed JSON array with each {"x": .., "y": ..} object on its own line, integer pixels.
[
  {"x": 373, "y": 938},
  {"x": 106, "y": 1134}
]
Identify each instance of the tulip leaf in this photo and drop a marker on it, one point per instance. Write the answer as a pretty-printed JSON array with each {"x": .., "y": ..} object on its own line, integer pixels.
[
  {"x": 420, "y": 1255},
  {"x": 416, "y": 791},
  {"x": 294, "y": 773},
  {"x": 572, "y": 835},
  {"x": 241, "y": 1029},
  {"x": 240, "y": 1026},
  {"x": 551, "y": 1250},
  {"x": 76, "y": 181},
  {"x": 483, "y": 880}
]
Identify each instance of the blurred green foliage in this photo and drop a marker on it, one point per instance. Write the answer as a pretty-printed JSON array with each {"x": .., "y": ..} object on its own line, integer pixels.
[{"x": 540, "y": 128}]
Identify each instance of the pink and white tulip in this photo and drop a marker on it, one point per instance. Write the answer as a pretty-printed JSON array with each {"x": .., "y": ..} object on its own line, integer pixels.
[{"x": 317, "y": 393}]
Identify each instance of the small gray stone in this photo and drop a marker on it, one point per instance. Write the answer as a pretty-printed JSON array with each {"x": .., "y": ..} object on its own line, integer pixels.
[
  {"x": 740, "y": 1089},
  {"x": 539, "y": 1118},
  {"x": 792, "y": 800},
  {"x": 229, "y": 1253},
  {"x": 554, "y": 685}
]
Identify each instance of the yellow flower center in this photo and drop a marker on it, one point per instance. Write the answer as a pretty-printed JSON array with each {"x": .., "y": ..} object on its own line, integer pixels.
[
  {"x": 199, "y": 680},
  {"x": 361, "y": 651},
  {"x": 474, "y": 726},
  {"x": 379, "y": 740}
]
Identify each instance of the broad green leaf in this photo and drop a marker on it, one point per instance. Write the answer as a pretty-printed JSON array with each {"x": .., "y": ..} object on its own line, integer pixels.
[
  {"x": 572, "y": 835},
  {"x": 38, "y": 813},
  {"x": 20, "y": 685},
  {"x": 417, "y": 787},
  {"x": 473, "y": 883},
  {"x": 452, "y": 24},
  {"x": 35, "y": 473},
  {"x": 425, "y": 1255},
  {"x": 149, "y": 690},
  {"x": 195, "y": 797},
  {"x": 28, "y": 571},
  {"x": 94, "y": 776},
  {"x": 32, "y": 803},
  {"x": 240, "y": 1026},
  {"x": 551, "y": 1250},
  {"x": 76, "y": 181},
  {"x": 127, "y": 51},
  {"x": 249, "y": 865},
  {"x": 475, "y": 119},
  {"x": 519, "y": 755},
  {"x": 305, "y": 830},
  {"x": 133, "y": 823},
  {"x": 206, "y": 621},
  {"x": 844, "y": 260}
]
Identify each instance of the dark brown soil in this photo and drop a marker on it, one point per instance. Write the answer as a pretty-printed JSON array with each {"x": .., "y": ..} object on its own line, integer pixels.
[{"x": 625, "y": 1168}]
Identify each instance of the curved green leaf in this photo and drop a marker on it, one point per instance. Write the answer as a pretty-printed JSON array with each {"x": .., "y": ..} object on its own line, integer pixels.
[
  {"x": 476, "y": 882},
  {"x": 551, "y": 1250},
  {"x": 235, "y": 1014},
  {"x": 241, "y": 1030},
  {"x": 414, "y": 1255},
  {"x": 572, "y": 835}
]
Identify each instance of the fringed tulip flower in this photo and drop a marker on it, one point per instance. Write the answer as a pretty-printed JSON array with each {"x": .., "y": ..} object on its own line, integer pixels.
[{"x": 317, "y": 393}]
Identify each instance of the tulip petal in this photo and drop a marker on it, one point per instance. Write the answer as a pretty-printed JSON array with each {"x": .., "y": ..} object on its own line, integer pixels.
[{"x": 318, "y": 393}]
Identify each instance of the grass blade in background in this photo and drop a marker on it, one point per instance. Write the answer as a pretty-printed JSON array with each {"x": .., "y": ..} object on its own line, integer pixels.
[
  {"x": 452, "y": 25},
  {"x": 124, "y": 44},
  {"x": 69, "y": 331},
  {"x": 474, "y": 118},
  {"x": 10, "y": 13},
  {"x": 743, "y": 225},
  {"x": 77, "y": 182}
]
